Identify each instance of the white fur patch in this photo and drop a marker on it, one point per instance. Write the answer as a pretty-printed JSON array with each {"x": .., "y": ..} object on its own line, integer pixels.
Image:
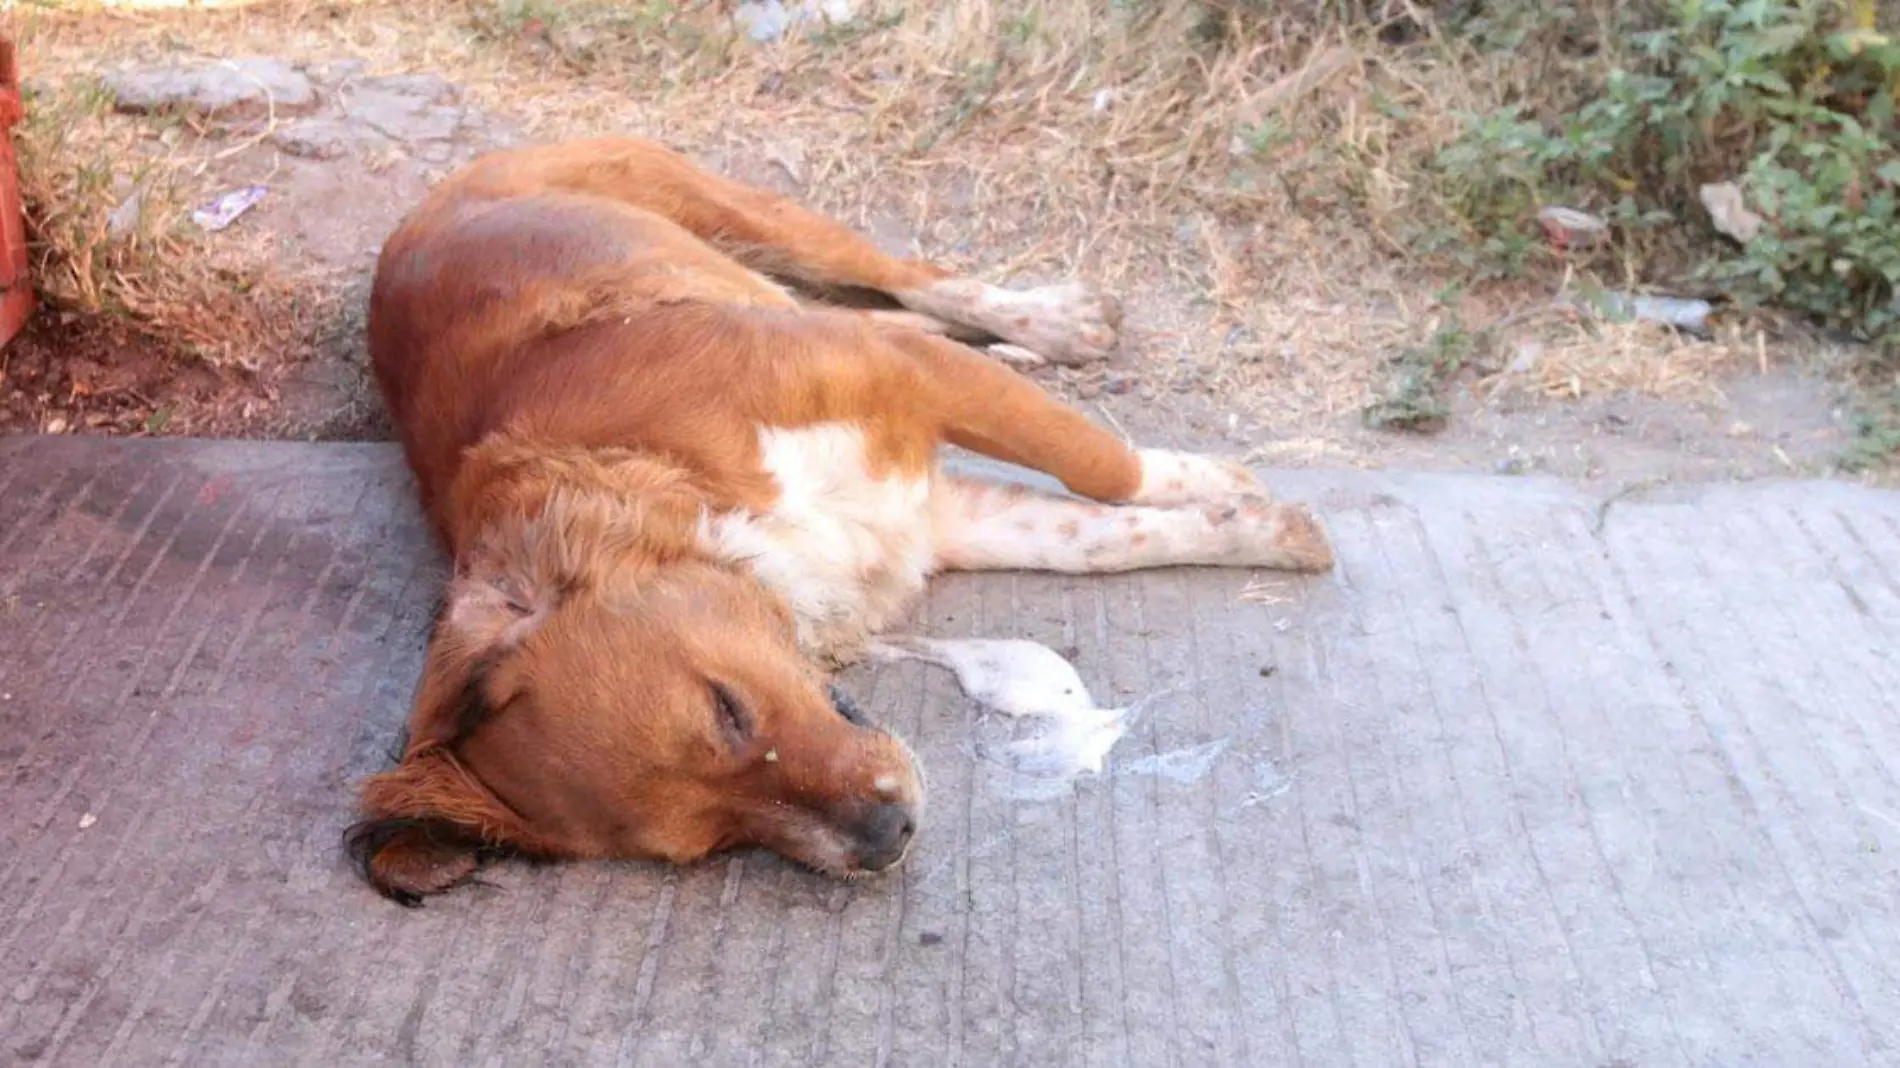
[
  {"x": 847, "y": 551},
  {"x": 979, "y": 529},
  {"x": 1169, "y": 477}
]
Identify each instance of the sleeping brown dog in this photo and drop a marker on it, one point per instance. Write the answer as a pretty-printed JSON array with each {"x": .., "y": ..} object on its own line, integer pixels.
[{"x": 676, "y": 494}]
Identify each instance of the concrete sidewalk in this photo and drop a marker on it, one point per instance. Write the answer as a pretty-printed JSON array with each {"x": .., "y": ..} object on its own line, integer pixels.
[{"x": 1527, "y": 780}]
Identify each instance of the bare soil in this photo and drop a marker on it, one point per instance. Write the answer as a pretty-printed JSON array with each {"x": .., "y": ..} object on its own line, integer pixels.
[{"x": 1263, "y": 340}]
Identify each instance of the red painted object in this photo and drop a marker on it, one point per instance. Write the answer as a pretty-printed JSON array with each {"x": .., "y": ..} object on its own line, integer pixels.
[{"x": 16, "y": 289}]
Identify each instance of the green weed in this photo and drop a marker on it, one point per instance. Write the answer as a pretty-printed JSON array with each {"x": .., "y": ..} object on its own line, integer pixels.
[{"x": 1414, "y": 395}]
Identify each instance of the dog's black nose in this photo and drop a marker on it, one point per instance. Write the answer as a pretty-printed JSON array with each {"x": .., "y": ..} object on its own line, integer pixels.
[{"x": 883, "y": 836}]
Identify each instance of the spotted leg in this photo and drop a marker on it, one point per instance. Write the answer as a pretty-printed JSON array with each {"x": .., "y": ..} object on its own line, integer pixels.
[{"x": 984, "y": 527}]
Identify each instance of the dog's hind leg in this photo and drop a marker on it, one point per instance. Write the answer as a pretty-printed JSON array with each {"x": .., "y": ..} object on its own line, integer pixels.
[{"x": 775, "y": 235}]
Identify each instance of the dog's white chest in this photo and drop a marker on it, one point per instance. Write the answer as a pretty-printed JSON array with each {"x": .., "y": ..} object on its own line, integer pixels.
[{"x": 847, "y": 551}]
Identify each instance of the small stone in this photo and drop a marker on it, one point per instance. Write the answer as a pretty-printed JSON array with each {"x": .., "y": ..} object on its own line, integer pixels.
[
  {"x": 831, "y": 12},
  {"x": 766, "y": 21},
  {"x": 224, "y": 88},
  {"x": 929, "y": 938},
  {"x": 56, "y": 425},
  {"x": 1117, "y": 384},
  {"x": 315, "y": 139},
  {"x": 87, "y": 821},
  {"x": 406, "y": 107},
  {"x": 1089, "y": 390},
  {"x": 432, "y": 88},
  {"x": 763, "y": 22}
]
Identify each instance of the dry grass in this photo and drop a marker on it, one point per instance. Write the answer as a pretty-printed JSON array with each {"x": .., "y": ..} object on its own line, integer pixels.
[
  {"x": 1570, "y": 358},
  {"x": 106, "y": 203},
  {"x": 1246, "y": 181}
]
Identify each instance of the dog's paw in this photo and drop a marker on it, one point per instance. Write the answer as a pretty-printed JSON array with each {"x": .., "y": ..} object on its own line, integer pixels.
[
  {"x": 1170, "y": 478},
  {"x": 1284, "y": 537},
  {"x": 1070, "y": 323}
]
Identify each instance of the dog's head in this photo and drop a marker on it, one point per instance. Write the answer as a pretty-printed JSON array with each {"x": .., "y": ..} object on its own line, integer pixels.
[{"x": 596, "y": 686}]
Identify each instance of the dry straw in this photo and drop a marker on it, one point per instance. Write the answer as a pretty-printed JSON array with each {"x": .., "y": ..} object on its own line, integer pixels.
[{"x": 1246, "y": 180}]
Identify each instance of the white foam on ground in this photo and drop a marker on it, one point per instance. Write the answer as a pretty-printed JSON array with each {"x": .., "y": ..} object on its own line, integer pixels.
[
  {"x": 1026, "y": 680},
  {"x": 1179, "y": 765}
]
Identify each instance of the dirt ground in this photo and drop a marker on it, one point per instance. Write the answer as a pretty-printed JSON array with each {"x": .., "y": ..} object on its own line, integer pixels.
[{"x": 1264, "y": 337}]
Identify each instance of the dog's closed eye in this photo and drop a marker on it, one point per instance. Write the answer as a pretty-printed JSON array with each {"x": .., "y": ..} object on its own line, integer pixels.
[{"x": 733, "y": 717}]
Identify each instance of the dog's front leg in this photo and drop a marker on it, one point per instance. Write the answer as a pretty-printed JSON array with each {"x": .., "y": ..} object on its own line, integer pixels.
[
  {"x": 982, "y": 527},
  {"x": 989, "y": 409}
]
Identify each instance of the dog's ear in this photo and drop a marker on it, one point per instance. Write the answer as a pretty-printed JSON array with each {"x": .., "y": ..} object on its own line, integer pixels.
[
  {"x": 428, "y": 822},
  {"x": 409, "y": 859},
  {"x": 488, "y": 610},
  {"x": 491, "y": 607},
  {"x": 514, "y": 574},
  {"x": 428, "y": 826}
]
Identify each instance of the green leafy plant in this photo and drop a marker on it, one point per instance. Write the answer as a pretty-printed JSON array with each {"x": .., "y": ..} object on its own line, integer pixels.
[
  {"x": 1414, "y": 396},
  {"x": 1795, "y": 98},
  {"x": 1796, "y": 101},
  {"x": 1874, "y": 430}
]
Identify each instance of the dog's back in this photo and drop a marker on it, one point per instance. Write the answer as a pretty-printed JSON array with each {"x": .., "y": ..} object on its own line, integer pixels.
[{"x": 514, "y": 289}]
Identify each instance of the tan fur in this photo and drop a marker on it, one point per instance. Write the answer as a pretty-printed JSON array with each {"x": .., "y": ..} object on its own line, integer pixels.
[{"x": 669, "y": 486}]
